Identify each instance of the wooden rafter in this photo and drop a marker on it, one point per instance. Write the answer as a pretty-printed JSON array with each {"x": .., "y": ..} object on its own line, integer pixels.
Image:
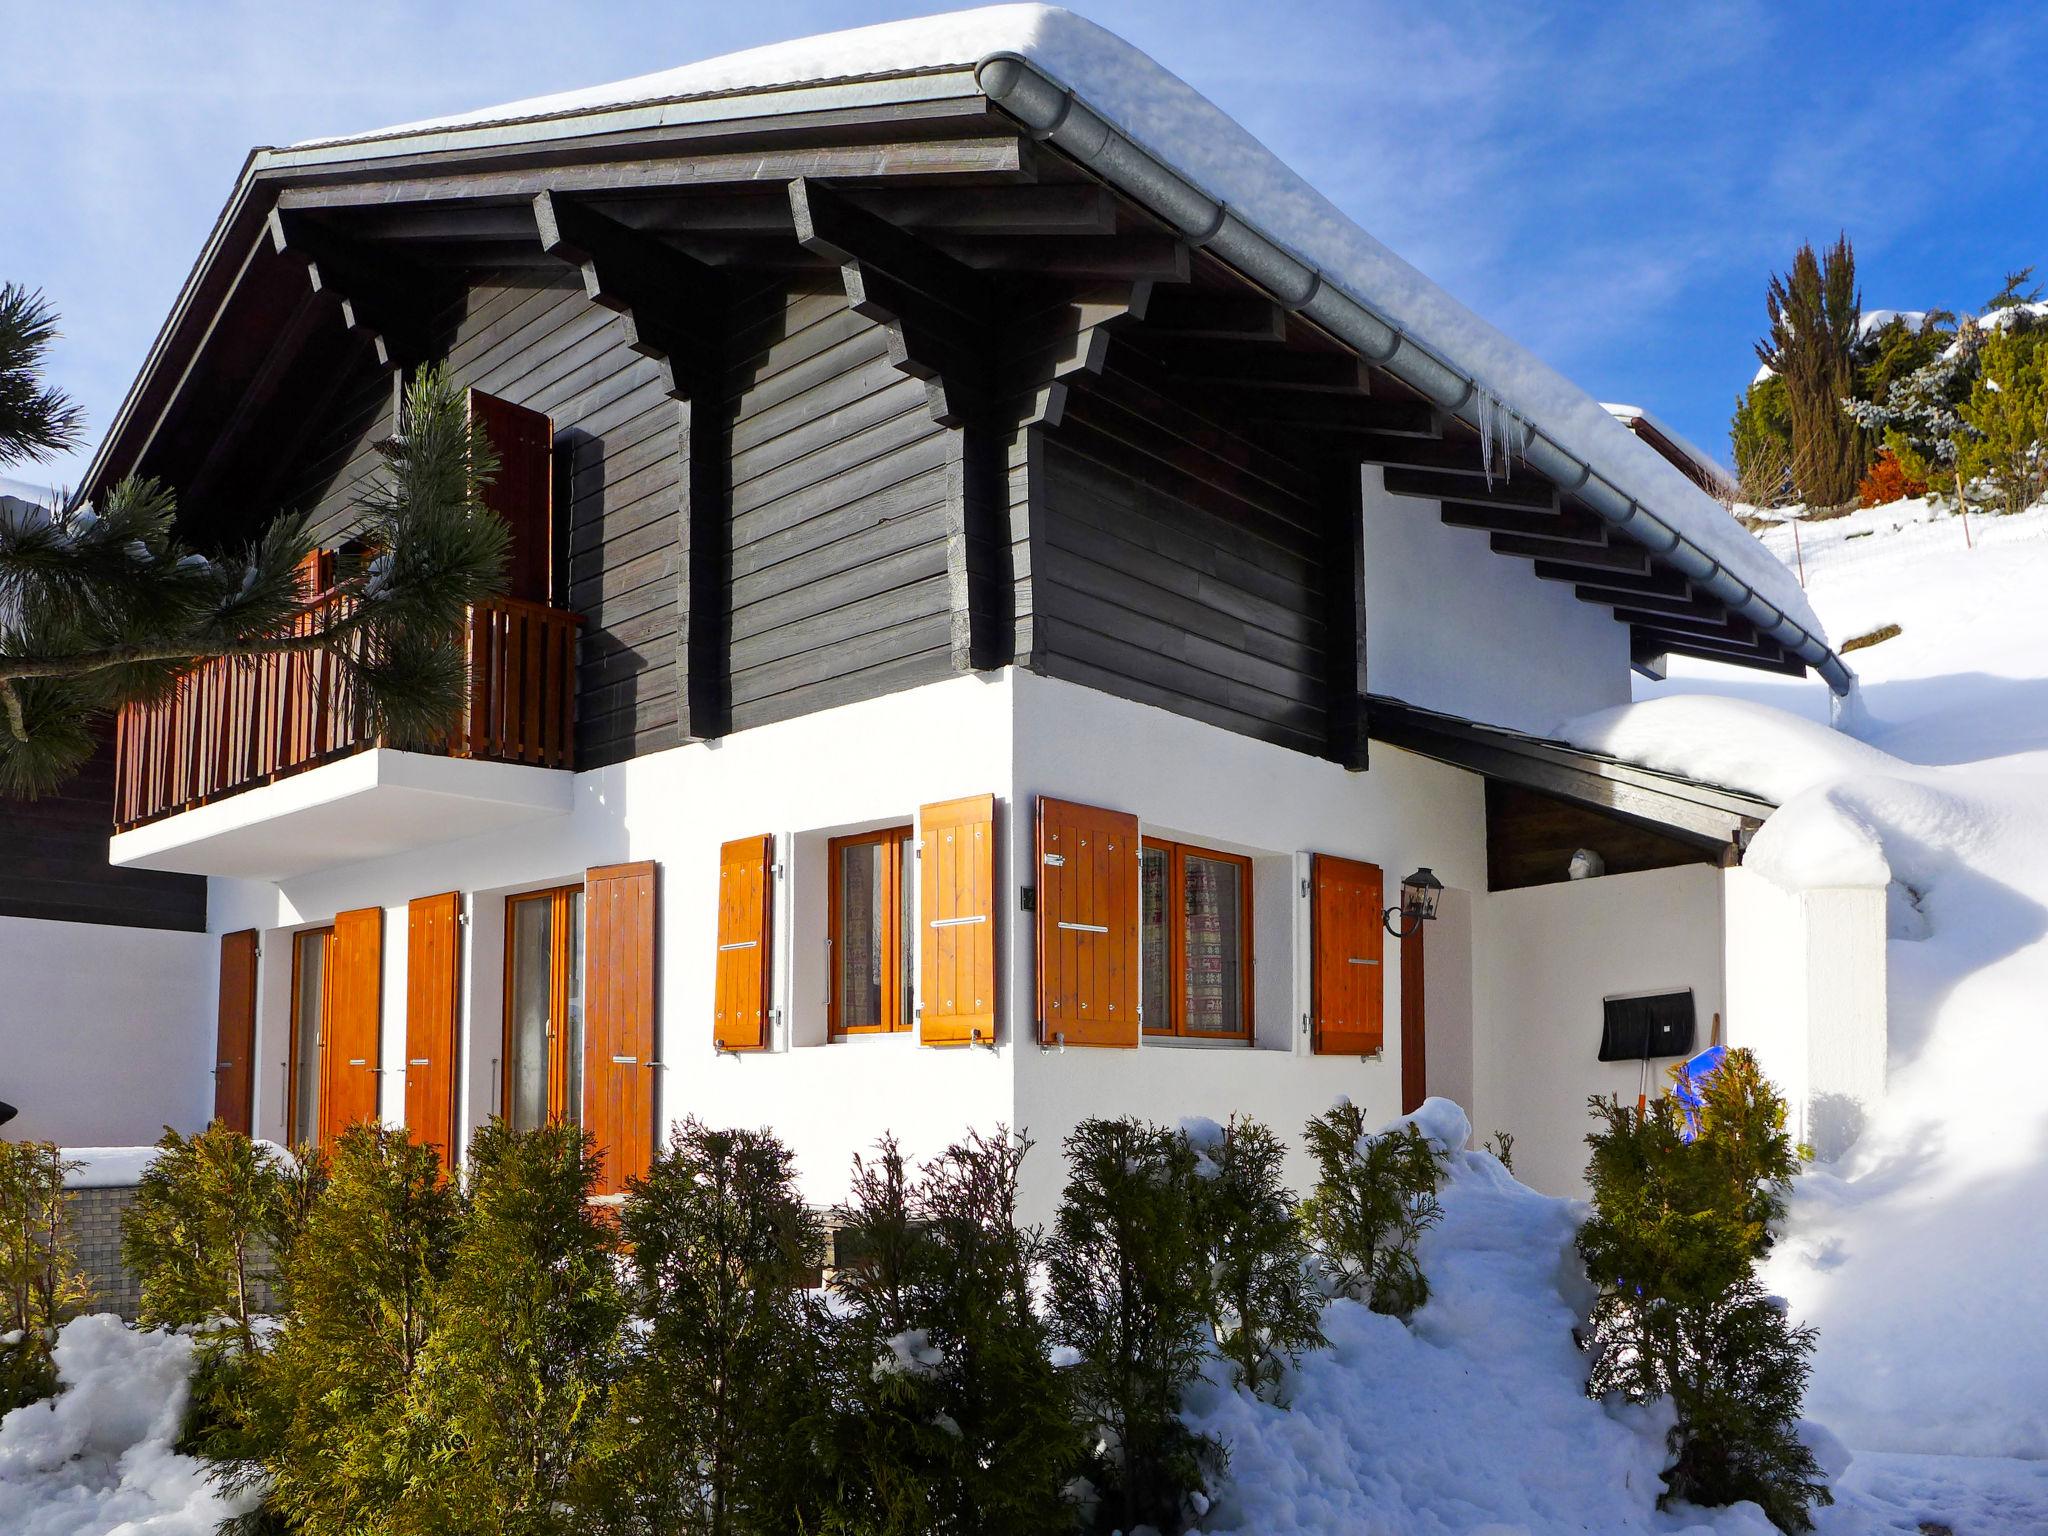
[{"x": 383, "y": 300}]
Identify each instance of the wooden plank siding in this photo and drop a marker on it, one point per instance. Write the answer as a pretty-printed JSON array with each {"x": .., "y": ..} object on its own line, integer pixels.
[
  {"x": 53, "y": 862},
  {"x": 532, "y": 338},
  {"x": 839, "y": 481}
]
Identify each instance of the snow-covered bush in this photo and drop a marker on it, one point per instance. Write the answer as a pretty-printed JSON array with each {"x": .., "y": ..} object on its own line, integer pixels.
[
  {"x": 1128, "y": 1299},
  {"x": 696, "y": 1434},
  {"x": 1264, "y": 1305},
  {"x": 1682, "y": 1211},
  {"x": 1375, "y": 1195},
  {"x": 41, "y": 1284}
]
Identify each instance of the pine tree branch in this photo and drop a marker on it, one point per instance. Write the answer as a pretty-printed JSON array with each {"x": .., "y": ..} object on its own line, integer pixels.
[
  {"x": 84, "y": 663},
  {"x": 17, "y": 726}
]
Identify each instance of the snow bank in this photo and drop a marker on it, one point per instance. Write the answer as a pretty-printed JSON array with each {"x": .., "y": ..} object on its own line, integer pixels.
[
  {"x": 1736, "y": 743},
  {"x": 97, "y": 1458},
  {"x": 1185, "y": 130}
]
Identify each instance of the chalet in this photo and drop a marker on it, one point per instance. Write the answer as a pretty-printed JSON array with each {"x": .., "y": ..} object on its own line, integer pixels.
[{"x": 1014, "y": 596}]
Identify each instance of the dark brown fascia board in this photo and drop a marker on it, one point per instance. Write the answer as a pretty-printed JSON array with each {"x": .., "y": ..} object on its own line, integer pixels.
[{"x": 1708, "y": 815}]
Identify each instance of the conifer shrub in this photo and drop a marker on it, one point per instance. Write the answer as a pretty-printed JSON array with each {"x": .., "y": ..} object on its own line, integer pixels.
[
  {"x": 695, "y": 1438},
  {"x": 1128, "y": 1296},
  {"x": 1264, "y": 1308},
  {"x": 1676, "y": 1230},
  {"x": 322, "y": 1428},
  {"x": 197, "y": 1236},
  {"x": 41, "y": 1285},
  {"x": 1375, "y": 1195},
  {"x": 2004, "y": 443},
  {"x": 948, "y": 1414},
  {"x": 514, "y": 1376}
]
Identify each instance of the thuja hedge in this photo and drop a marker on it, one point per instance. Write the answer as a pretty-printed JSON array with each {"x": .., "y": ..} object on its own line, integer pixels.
[{"x": 495, "y": 1350}]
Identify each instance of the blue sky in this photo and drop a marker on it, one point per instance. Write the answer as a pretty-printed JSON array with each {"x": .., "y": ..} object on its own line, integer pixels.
[{"x": 1611, "y": 184}]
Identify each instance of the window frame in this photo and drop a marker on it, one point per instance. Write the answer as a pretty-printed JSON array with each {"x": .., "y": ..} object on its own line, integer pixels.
[
  {"x": 324, "y": 933},
  {"x": 898, "y": 949},
  {"x": 1175, "y": 1027},
  {"x": 559, "y": 898}
]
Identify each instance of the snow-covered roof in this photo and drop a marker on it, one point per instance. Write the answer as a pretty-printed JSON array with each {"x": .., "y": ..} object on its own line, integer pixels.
[
  {"x": 1708, "y": 465},
  {"x": 1197, "y": 141}
]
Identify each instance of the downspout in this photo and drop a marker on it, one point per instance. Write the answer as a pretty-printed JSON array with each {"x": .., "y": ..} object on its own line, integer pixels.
[{"x": 1054, "y": 113}]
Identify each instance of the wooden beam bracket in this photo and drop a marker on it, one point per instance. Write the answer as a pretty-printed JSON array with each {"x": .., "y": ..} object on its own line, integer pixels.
[{"x": 388, "y": 302}]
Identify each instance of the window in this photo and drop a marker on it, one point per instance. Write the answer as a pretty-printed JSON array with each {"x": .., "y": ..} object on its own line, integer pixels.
[
  {"x": 869, "y": 972},
  {"x": 312, "y": 957},
  {"x": 1195, "y": 956},
  {"x": 544, "y": 1008}
]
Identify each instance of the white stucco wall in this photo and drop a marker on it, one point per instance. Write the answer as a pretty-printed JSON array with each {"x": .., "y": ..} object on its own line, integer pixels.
[
  {"x": 1452, "y": 626},
  {"x": 1546, "y": 956},
  {"x": 1193, "y": 782},
  {"x": 106, "y": 1033},
  {"x": 1806, "y": 990}
]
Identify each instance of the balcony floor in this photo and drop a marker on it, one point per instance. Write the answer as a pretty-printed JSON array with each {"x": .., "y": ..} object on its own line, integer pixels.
[{"x": 375, "y": 803}]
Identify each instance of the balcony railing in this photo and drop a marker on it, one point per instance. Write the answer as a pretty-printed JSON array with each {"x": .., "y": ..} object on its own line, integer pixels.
[{"x": 234, "y": 725}]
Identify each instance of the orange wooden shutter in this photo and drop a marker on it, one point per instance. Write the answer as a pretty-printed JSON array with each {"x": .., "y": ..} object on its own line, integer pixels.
[
  {"x": 522, "y": 492},
  {"x": 618, "y": 1019},
  {"x": 1346, "y": 941},
  {"x": 354, "y": 1034},
  {"x": 433, "y": 970},
  {"x": 235, "y": 1046},
  {"x": 1087, "y": 925},
  {"x": 745, "y": 944},
  {"x": 957, "y": 921}
]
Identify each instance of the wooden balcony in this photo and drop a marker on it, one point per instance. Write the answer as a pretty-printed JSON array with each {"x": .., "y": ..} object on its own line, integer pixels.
[{"x": 235, "y": 725}]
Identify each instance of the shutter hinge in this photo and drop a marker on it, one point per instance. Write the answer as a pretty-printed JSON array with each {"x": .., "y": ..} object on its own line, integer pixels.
[
  {"x": 1304, "y": 1023},
  {"x": 1304, "y": 885}
]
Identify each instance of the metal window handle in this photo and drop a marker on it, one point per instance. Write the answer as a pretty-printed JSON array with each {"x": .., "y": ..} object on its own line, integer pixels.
[
  {"x": 1086, "y": 927},
  {"x": 960, "y": 922}
]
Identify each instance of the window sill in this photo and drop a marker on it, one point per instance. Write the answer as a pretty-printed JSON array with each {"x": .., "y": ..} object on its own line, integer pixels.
[{"x": 1196, "y": 1043}]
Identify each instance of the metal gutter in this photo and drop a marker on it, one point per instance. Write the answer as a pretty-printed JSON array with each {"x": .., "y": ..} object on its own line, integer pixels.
[{"x": 1052, "y": 112}]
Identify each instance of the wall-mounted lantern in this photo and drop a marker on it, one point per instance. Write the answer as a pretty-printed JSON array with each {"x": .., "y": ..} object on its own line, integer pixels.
[{"x": 1420, "y": 893}]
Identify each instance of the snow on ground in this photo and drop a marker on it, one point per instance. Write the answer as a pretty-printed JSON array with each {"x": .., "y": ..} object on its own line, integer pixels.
[
  {"x": 1475, "y": 1419},
  {"x": 97, "y": 1458},
  {"x": 1921, "y": 1256}
]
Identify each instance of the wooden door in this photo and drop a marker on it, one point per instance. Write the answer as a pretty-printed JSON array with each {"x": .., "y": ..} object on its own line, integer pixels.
[
  {"x": 523, "y": 492},
  {"x": 746, "y": 901},
  {"x": 234, "y": 1074},
  {"x": 618, "y": 1027},
  {"x": 433, "y": 987},
  {"x": 353, "y": 1036},
  {"x": 1414, "y": 1014},
  {"x": 1087, "y": 925},
  {"x": 956, "y": 922},
  {"x": 1347, "y": 941}
]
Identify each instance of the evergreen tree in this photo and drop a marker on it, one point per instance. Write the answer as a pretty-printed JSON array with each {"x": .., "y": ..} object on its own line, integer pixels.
[
  {"x": 1129, "y": 1297},
  {"x": 195, "y": 1235},
  {"x": 1815, "y": 311},
  {"x": 513, "y": 1378},
  {"x": 1682, "y": 1210},
  {"x": 1263, "y": 1306},
  {"x": 1760, "y": 433},
  {"x": 721, "y": 1244},
  {"x": 324, "y": 1429},
  {"x": 103, "y": 605},
  {"x": 41, "y": 1284},
  {"x": 1375, "y": 1195},
  {"x": 36, "y": 420},
  {"x": 2004, "y": 441},
  {"x": 949, "y": 1415}
]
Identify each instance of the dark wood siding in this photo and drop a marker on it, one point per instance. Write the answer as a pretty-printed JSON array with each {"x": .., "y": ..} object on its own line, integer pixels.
[
  {"x": 535, "y": 340},
  {"x": 839, "y": 482},
  {"x": 53, "y": 862},
  {"x": 1176, "y": 564}
]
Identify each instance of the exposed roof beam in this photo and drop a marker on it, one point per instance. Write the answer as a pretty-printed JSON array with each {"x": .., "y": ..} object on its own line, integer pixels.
[
  {"x": 1568, "y": 525},
  {"x": 1531, "y": 495},
  {"x": 1658, "y": 581},
  {"x": 1729, "y": 629},
  {"x": 1132, "y": 257},
  {"x": 1647, "y": 646},
  {"x": 1598, "y": 558},
  {"x": 670, "y": 302},
  {"x": 383, "y": 300},
  {"x": 936, "y": 310},
  {"x": 1209, "y": 315},
  {"x": 1250, "y": 366}
]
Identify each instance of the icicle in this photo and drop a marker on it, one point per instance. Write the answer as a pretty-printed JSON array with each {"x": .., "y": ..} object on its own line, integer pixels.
[{"x": 1495, "y": 424}]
